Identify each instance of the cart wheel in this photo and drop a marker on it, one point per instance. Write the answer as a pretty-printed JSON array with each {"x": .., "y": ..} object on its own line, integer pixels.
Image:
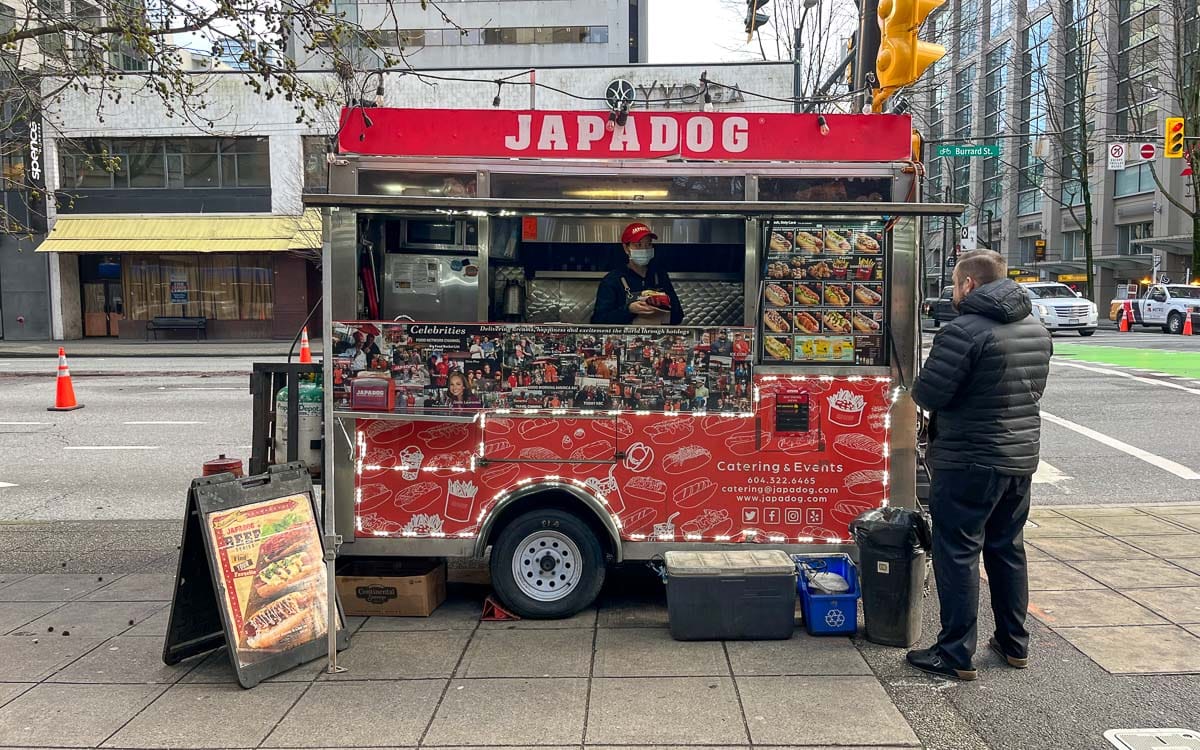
[{"x": 547, "y": 564}]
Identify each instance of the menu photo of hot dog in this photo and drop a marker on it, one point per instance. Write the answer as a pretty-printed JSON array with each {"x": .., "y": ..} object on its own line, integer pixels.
[
  {"x": 868, "y": 295},
  {"x": 272, "y": 565}
]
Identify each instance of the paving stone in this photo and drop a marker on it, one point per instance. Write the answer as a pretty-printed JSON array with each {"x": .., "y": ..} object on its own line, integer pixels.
[
  {"x": 1058, "y": 527},
  {"x": 665, "y": 711},
  {"x": 27, "y": 661},
  {"x": 154, "y": 626},
  {"x": 1145, "y": 649},
  {"x": 1173, "y": 510},
  {"x": 780, "y": 710},
  {"x": 1033, "y": 554},
  {"x": 1180, "y": 605},
  {"x": 529, "y": 653},
  {"x": 136, "y": 587},
  {"x": 461, "y": 614},
  {"x": 583, "y": 619},
  {"x": 10, "y": 690},
  {"x": 1044, "y": 513},
  {"x": 15, "y": 615},
  {"x": 123, "y": 660},
  {"x": 1167, "y": 545},
  {"x": 1061, "y": 609},
  {"x": 1088, "y": 549},
  {"x": 803, "y": 654},
  {"x": 7, "y": 579},
  {"x": 71, "y": 715},
  {"x": 54, "y": 587},
  {"x": 1137, "y": 574},
  {"x": 1098, "y": 511},
  {"x": 1056, "y": 576},
  {"x": 110, "y": 561},
  {"x": 359, "y": 714},
  {"x": 510, "y": 712},
  {"x": 209, "y": 716},
  {"x": 387, "y": 656},
  {"x": 1190, "y": 520},
  {"x": 100, "y": 620},
  {"x": 1124, "y": 526},
  {"x": 650, "y": 652},
  {"x": 1187, "y": 563},
  {"x": 216, "y": 668},
  {"x": 634, "y": 612}
]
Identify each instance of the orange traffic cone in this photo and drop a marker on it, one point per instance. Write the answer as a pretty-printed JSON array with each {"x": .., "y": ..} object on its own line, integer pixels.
[
  {"x": 1125, "y": 315},
  {"x": 64, "y": 400},
  {"x": 305, "y": 351},
  {"x": 1187, "y": 324}
]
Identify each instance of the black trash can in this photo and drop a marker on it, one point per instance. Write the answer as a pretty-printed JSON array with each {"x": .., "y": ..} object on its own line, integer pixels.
[{"x": 891, "y": 547}]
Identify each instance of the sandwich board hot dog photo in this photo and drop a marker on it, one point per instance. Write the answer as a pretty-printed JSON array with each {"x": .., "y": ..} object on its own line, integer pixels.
[{"x": 252, "y": 575}]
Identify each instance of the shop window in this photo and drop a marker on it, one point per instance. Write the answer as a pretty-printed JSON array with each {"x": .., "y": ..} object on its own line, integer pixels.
[
  {"x": 165, "y": 163},
  {"x": 443, "y": 184},
  {"x": 220, "y": 286},
  {"x": 1127, "y": 233},
  {"x": 316, "y": 171},
  {"x": 604, "y": 187},
  {"x": 1134, "y": 180}
]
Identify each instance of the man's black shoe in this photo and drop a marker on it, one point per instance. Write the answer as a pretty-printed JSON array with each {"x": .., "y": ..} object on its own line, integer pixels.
[
  {"x": 1013, "y": 661},
  {"x": 929, "y": 660}
]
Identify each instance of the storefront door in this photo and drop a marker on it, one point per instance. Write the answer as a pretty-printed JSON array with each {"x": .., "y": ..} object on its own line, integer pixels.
[{"x": 103, "y": 308}]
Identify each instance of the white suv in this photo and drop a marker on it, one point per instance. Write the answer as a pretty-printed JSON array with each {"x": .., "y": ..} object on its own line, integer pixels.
[{"x": 1060, "y": 308}]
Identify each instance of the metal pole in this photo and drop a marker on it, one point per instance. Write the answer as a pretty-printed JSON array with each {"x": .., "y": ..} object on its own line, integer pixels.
[{"x": 989, "y": 217}]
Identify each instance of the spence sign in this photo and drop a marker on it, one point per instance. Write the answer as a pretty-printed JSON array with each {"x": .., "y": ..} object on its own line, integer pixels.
[{"x": 645, "y": 135}]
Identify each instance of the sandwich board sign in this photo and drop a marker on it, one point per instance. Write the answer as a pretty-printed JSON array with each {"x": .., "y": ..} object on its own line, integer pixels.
[{"x": 252, "y": 575}]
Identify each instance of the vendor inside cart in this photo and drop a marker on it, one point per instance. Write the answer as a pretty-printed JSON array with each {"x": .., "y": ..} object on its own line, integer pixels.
[{"x": 640, "y": 293}]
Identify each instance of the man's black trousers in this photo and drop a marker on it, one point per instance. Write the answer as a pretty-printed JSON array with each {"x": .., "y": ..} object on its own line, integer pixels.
[{"x": 979, "y": 510}]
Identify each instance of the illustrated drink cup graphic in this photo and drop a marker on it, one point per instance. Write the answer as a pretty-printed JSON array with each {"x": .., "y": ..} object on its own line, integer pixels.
[
  {"x": 410, "y": 462},
  {"x": 609, "y": 488}
]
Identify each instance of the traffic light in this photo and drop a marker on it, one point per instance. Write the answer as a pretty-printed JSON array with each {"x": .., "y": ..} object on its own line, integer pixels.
[
  {"x": 1173, "y": 148},
  {"x": 902, "y": 56},
  {"x": 754, "y": 19}
]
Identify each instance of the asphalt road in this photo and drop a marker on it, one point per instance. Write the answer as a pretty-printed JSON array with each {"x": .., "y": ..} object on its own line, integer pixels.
[{"x": 1112, "y": 434}]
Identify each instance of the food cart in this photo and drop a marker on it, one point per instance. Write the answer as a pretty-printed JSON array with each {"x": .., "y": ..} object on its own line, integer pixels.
[{"x": 474, "y": 407}]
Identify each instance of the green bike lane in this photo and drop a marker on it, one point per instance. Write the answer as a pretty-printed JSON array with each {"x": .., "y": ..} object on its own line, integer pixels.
[{"x": 1179, "y": 363}]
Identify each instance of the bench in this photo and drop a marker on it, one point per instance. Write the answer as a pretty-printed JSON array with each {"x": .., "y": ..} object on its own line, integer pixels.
[{"x": 168, "y": 323}]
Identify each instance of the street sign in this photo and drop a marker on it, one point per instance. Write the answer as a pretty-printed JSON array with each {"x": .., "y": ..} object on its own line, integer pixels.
[
  {"x": 951, "y": 261},
  {"x": 1116, "y": 156},
  {"x": 968, "y": 237},
  {"x": 968, "y": 151},
  {"x": 1147, "y": 151}
]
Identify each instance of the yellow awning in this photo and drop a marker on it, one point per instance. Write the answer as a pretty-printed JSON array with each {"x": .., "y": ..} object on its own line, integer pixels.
[{"x": 208, "y": 233}]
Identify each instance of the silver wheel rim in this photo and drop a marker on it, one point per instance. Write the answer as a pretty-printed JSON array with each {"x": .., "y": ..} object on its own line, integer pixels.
[
  {"x": 1175, "y": 324},
  {"x": 547, "y": 566}
]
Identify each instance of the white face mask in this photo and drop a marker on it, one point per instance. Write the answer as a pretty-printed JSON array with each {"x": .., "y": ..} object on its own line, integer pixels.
[{"x": 641, "y": 257}]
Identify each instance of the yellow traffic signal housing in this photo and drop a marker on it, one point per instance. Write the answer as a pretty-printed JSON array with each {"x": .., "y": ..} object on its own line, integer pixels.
[
  {"x": 902, "y": 56},
  {"x": 1173, "y": 147}
]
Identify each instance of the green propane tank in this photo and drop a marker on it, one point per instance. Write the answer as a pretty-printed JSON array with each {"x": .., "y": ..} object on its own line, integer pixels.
[{"x": 311, "y": 408}]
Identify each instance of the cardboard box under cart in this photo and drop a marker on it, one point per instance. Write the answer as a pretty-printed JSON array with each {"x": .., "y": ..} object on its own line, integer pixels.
[{"x": 731, "y": 595}]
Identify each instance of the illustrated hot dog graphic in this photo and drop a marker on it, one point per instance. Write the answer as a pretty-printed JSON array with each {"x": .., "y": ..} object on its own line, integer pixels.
[
  {"x": 808, "y": 242},
  {"x": 418, "y": 497},
  {"x": 695, "y": 492},
  {"x": 776, "y": 348},
  {"x": 806, "y": 295},
  {"x": 776, "y": 322},
  {"x": 807, "y": 322},
  {"x": 864, "y": 323},
  {"x": 273, "y": 622},
  {"x": 835, "y": 294}
]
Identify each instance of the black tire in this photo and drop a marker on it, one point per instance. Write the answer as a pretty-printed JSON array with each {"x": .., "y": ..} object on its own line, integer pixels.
[
  {"x": 1087, "y": 332},
  {"x": 585, "y": 576},
  {"x": 1174, "y": 324}
]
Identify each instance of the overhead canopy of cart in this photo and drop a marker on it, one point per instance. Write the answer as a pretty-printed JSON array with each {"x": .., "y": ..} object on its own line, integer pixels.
[
  {"x": 158, "y": 233},
  {"x": 524, "y": 206}
]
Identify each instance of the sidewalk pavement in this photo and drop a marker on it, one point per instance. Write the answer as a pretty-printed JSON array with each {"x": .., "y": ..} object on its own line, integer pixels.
[
  {"x": 611, "y": 676},
  {"x": 109, "y": 347}
]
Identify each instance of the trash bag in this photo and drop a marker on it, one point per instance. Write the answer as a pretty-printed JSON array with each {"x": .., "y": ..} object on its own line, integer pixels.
[{"x": 894, "y": 528}]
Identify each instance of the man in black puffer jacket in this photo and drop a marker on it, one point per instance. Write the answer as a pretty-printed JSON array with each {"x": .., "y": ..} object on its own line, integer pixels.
[{"x": 982, "y": 383}]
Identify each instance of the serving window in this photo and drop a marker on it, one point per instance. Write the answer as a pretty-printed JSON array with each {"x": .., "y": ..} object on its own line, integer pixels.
[{"x": 824, "y": 293}]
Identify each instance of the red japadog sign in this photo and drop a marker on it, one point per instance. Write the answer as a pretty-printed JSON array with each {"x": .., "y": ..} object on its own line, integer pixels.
[{"x": 645, "y": 135}]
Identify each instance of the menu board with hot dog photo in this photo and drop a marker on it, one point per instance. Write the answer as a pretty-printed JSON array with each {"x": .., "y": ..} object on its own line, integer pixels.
[
  {"x": 824, "y": 286},
  {"x": 272, "y": 570}
]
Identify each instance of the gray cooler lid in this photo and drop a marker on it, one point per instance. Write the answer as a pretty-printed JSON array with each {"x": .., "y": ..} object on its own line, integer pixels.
[{"x": 766, "y": 562}]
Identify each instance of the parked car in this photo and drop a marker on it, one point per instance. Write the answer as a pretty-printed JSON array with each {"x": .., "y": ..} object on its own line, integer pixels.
[
  {"x": 1061, "y": 308},
  {"x": 1163, "y": 305},
  {"x": 940, "y": 309}
]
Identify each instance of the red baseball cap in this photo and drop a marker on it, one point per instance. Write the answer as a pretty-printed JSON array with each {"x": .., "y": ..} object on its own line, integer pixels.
[{"x": 636, "y": 231}]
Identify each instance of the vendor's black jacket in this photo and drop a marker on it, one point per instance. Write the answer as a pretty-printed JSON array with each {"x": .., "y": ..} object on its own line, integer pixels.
[
  {"x": 983, "y": 380},
  {"x": 612, "y": 300}
]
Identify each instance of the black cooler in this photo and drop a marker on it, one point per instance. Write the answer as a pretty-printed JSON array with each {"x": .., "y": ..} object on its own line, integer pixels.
[{"x": 734, "y": 595}]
